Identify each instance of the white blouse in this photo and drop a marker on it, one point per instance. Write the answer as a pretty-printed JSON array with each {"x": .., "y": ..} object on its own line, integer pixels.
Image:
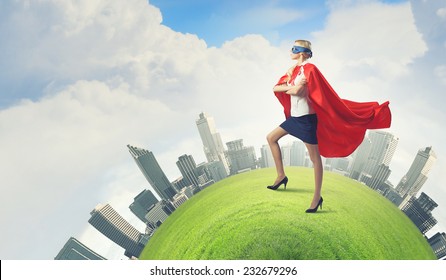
[{"x": 300, "y": 104}]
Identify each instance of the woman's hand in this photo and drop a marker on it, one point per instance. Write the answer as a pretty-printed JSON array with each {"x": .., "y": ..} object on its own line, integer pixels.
[
  {"x": 302, "y": 81},
  {"x": 297, "y": 89}
]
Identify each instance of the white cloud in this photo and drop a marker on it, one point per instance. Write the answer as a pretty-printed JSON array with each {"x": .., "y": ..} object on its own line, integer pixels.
[
  {"x": 374, "y": 51},
  {"x": 372, "y": 39},
  {"x": 112, "y": 75},
  {"x": 441, "y": 13}
]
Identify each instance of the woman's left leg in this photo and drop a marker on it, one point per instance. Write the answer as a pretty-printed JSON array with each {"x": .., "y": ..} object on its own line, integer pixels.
[{"x": 315, "y": 156}]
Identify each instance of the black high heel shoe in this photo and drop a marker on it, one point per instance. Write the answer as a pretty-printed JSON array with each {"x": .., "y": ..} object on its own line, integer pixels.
[
  {"x": 313, "y": 210},
  {"x": 284, "y": 182}
]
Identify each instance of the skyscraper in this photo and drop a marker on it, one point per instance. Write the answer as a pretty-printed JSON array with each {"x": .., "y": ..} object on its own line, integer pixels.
[
  {"x": 186, "y": 165},
  {"x": 380, "y": 176},
  {"x": 75, "y": 250},
  {"x": 381, "y": 151},
  {"x": 141, "y": 204},
  {"x": 216, "y": 170},
  {"x": 419, "y": 211},
  {"x": 212, "y": 144},
  {"x": 438, "y": 244},
  {"x": 107, "y": 221},
  {"x": 376, "y": 150},
  {"x": 298, "y": 152},
  {"x": 159, "y": 212},
  {"x": 414, "y": 179},
  {"x": 149, "y": 166},
  {"x": 240, "y": 157},
  {"x": 360, "y": 158},
  {"x": 266, "y": 157}
]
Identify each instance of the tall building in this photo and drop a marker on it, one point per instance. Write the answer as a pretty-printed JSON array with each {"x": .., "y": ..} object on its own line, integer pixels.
[
  {"x": 149, "y": 166},
  {"x": 389, "y": 192},
  {"x": 297, "y": 153},
  {"x": 75, "y": 250},
  {"x": 380, "y": 176},
  {"x": 338, "y": 165},
  {"x": 376, "y": 150},
  {"x": 360, "y": 157},
  {"x": 438, "y": 244},
  {"x": 414, "y": 179},
  {"x": 419, "y": 211},
  {"x": 240, "y": 157},
  {"x": 212, "y": 143},
  {"x": 141, "y": 204},
  {"x": 107, "y": 221},
  {"x": 180, "y": 183},
  {"x": 286, "y": 154},
  {"x": 381, "y": 151},
  {"x": 205, "y": 175},
  {"x": 188, "y": 168},
  {"x": 159, "y": 212},
  {"x": 266, "y": 157},
  {"x": 216, "y": 170}
]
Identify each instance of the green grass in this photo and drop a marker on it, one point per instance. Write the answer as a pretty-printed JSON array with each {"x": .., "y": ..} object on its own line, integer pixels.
[{"x": 238, "y": 218}]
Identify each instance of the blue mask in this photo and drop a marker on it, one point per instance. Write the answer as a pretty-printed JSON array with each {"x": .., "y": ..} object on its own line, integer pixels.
[{"x": 298, "y": 49}]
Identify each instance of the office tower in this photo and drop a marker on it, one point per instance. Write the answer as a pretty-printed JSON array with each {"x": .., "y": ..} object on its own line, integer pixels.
[
  {"x": 376, "y": 150},
  {"x": 107, "y": 221},
  {"x": 186, "y": 165},
  {"x": 380, "y": 176},
  {"x": 266, "y": 157},
  {"x": 340, "y": 165},
  {"x": 212, "y": 143},
  {"x": 241, "y": 158},
  {"x": 426, "y": 203},
  {"x": 297, "y": 154},
  {"x": 184, "y": 195},
  {"x": 419, "y": 211},
  {"x": 149, "y": 166},
  {"x": 75, "y": 250},
  {"x": 216, "y": 170},
  {"x": 159, "y": 212},
  {"x": 180, "y": 183},
  {"x": 414, "y": 179},
  {"x": 286, "y": 154},
  {"x": 204, "y": 175},
  {"x": 178, "y": 200},
  {"x": 438, "y": 244},
  {"x": 391, "y": 194},
  {"x": 141, "y": 204},
  {"x": 360, "y": 158},
  {"x": 381, "y": 151}
]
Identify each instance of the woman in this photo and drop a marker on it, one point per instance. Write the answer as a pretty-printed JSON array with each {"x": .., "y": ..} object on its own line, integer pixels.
[{"x": 328, "y": 125}]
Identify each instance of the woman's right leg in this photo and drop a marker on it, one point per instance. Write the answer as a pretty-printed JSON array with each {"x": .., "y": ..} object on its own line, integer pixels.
[{"x": 273, "y": 142}]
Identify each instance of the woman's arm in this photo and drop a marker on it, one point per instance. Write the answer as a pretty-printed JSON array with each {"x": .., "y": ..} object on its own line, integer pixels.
[
  {"x": 282, "y": 88},
  {"x": 292, "y": 90}
]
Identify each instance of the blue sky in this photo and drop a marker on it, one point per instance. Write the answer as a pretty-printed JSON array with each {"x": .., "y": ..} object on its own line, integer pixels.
[
  {"x": 83, "y": 79},
  {"x": 219, "y": 21}
]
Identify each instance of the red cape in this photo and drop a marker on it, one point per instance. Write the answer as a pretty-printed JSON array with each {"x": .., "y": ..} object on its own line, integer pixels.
[{"x": 341, "y": 123}]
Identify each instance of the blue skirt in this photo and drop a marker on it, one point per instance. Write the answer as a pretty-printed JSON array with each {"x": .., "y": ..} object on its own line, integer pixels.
[{"x": 303, "y": 127}]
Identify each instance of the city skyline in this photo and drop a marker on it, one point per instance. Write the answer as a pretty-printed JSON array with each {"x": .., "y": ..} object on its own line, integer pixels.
[
  {"x": 85, "y": 85},
  {"x": 364, "y": 165}
]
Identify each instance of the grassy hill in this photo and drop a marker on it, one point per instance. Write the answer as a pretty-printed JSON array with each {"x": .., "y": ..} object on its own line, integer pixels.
[{"x": 238, "y": 218}]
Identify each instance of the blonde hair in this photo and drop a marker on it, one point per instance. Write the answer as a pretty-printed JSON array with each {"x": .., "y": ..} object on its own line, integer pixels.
[{"x": 304, "y": 43}]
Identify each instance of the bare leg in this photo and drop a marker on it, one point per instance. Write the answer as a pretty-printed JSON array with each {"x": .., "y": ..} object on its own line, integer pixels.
[
  {"x": 273, "y": 141},
  {"x": 315, "y": 156}
]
